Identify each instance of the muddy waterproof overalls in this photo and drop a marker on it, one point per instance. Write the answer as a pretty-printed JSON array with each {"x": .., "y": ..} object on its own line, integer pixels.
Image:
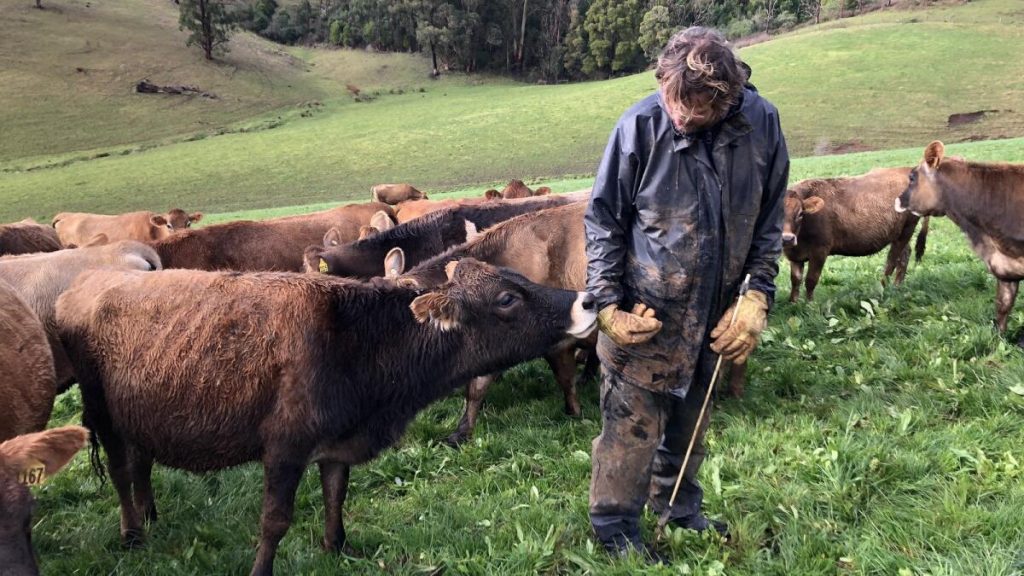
[{"x": 675, "y": 221}]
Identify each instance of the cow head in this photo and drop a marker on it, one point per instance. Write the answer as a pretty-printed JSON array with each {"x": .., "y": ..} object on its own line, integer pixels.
[
  {"x": 923, "y": 196},
  {"x": 492, "y": 194},
  {"x": 516, "y": 189},
  {"x": 177, "y": 219},
  {"x": 501, "y": 309},
  {"x": 796, "y": 208},
  {"x": 28, "y": 460},
  {"x": 130, "y": 255}
]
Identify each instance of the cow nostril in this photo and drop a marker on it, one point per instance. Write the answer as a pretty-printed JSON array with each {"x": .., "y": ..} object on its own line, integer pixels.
[{"x": 588, "y": 302}]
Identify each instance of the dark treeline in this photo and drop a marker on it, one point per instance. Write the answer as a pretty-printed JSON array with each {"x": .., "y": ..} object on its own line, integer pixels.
[{"x": 549, "y": 40}]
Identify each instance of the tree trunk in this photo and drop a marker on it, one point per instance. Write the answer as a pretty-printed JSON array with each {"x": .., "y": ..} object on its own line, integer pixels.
[
  {"x": 433, "y": 59},
  {"x": 207, "y": 29},
  {"x": 39, "y": 4},
  {"x": 522, "y": 39}
]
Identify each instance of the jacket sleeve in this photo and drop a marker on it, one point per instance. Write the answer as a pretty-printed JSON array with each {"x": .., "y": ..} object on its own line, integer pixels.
[
  {"x": 609, "y": 217},
  {"x": 763, "y": 259}
]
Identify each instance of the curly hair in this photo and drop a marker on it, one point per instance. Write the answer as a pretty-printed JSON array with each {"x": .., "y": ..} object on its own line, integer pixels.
[{"x": 698, "y": 69}]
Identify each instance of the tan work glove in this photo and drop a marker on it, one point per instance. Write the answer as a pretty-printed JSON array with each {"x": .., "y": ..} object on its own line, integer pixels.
[
  {"x": 626, "y": 328},
  {"x": 737, "y": 342}
]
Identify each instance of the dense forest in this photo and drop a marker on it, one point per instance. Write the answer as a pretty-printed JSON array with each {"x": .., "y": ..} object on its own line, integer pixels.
[{"x": 542, "y": 40}]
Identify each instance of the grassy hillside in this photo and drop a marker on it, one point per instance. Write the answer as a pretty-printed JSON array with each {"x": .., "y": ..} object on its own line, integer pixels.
[
  {"x": 69, "y": 71},
  {"x": 880, "y": 435},
  {"x": 889, "y": 79}
]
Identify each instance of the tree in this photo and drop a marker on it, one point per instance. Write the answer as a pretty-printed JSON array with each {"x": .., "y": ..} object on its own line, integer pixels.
[
  {"x": 208, "y": 22},
  {"x": 613, "y": 28},
  {"x": 655, "y": 30}
]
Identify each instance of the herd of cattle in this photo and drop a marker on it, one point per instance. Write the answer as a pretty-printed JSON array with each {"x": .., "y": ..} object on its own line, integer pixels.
[{"x": 286, "y": 328}]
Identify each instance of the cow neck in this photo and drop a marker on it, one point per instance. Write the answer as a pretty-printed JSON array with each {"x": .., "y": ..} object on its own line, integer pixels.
[{"x": 980, "y": 197}]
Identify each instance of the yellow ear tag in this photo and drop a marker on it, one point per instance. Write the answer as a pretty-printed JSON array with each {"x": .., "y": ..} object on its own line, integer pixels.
[
  {"x": 323, "y": 266},
  {"x": 33, "y": 474}
]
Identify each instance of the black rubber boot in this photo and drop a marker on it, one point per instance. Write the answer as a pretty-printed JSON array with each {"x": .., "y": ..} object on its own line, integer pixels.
[
  {"x": 700, "y": 523},
  {"x": 621, "y": 546}
]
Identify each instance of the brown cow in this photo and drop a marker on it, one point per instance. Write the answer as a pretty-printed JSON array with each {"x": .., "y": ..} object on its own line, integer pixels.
[
  {"x": 79, "y": 228},
  {"x": 547, "y": 247},
  {"x": 290, "y": 369},
  {"x": 27, "y": 380},
  {"x": 847, "y": 217},
  {"x": 517, "y": 189},
  {"x": 413, "y": 209},
  {"x": 26, "y": 237},
  {"x": 28, "y": 460},
  {"x": 41, "y": 278},
  {"x": 396, "y": 193},
  {"x": 986, "y": 200},
  {"x": 276, "y": 244}
]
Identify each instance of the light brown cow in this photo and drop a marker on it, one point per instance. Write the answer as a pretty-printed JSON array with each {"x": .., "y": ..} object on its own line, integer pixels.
[
  {"x": 26, "y": 237},
  {"x": 27, "y": 380},
  {"x": 986, "y": 200},
  {"x": 517, "y": 189},
  {"x": 40, "y": 278},
  {"x": 79, "y": 228},
  {"x": 547, "y": 247},
  {"x": 24, "y": 460},
  {"x": 275, "y": 244},
  {"x": 847, "y": 217},
  {"x": 396, "y": 193}
]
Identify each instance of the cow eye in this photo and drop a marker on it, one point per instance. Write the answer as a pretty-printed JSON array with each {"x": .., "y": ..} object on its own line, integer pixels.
[
  {"x": 188, "y": 224},
  {"x": 913, "y": 177},
  {"x": 170, "y": 226},
  {"x": 506, "y": 299}
]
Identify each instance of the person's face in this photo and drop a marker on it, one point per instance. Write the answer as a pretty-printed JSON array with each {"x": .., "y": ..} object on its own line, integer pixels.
[{"x": 697, "y": 116}]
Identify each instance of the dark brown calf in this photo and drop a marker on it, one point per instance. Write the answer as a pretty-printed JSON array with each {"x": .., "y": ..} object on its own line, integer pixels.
[
  {"x": 848, "y": 217},
  {"x": 986, "y": 200},
  {"x": 286, "y": 369},
  {"x": 27, "y": 237},
  {"x": 275, "y": 244},
  {"x": 424, "y": 237}
]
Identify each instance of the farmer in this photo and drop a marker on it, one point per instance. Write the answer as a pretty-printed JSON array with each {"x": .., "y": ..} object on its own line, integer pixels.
[{"x": 688, "y": 200}]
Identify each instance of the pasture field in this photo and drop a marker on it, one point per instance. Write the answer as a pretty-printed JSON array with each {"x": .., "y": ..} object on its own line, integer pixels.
[
  {"x": 284, "y": 131},
  {"x": 880, "y": 434}
]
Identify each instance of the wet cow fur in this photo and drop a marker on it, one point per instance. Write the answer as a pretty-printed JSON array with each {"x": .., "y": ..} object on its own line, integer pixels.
[
  {"x": 80, "y": 228},
  {"x": 424, "y": 237},
  {"x": 292, "y": 368},
  {"x": 41, "y": 278},
  {"x": 26, "y": 237},
  {"x": 266, "y": 245},
  {"x": 986, "y": 200},
  {"x": 51, "y": 449},
  {"x": 847, "y": 217},
  {"x": 27, "y": 380}
]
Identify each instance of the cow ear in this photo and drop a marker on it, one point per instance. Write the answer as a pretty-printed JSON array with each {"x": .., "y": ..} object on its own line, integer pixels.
[
  {"x": 813, "y": 205},
  {"x": 364, "y": 232},
  {"x": 333, "y": 237},
  {"x": 449, "y": 269},
  {"x": 492, "y": 194},
  {"x": 97, "y": 240},
  {"x": 437, "y": 308},
  {"x": 158, "y": 220},
  {"x": 381, "y": 221},
  {"x": 933, "y": 154},
  {"x": 542, "y": 191},
  {"x": 34, "y": 457},
  {"x": 195, "y": 216},
  {"x": 394, "y": 263}
]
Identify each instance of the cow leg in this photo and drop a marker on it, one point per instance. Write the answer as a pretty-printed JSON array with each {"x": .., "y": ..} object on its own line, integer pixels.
[
  {"x": 813, "y": 274},
  {"x": 142, "y": 473},
  {"x": 590, "y": 367},
  {"x": 120, "y": 469},
  {"x": 899, "y": 256},
  {"x": 563, "y": 363},
  {"x": 476, "y": 389},
  {"x": 280, "y": 480},
  {"x": 1006, "y": 293},
  {"x": 334, "y": 481},
  {"x": 737, "y": 379},
  {"x": 796, "y": 276}
]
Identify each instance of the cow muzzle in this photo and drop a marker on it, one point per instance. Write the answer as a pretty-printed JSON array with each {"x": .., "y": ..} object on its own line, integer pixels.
[
  {"x": 584, "y": 316},
  {"x": 900, "y": 208},
  {"x": 788, "y": 239}
]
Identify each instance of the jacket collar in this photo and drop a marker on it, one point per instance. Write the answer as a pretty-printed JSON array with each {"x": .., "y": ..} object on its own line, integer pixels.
[{"x": 733, "y": 127}]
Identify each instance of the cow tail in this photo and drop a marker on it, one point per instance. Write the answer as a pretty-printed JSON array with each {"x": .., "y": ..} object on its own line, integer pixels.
[
  {"x": 97, "y": 419},
  {"x": 922, "y": 237}
]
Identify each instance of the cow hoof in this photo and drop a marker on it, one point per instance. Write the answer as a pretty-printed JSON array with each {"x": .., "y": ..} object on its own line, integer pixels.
[
  {"x": 456, "y": 440},
  {"x": 132, "y": 539},
  {"x": 344, "y": 549},
  {"x": 573, "y": 412}
]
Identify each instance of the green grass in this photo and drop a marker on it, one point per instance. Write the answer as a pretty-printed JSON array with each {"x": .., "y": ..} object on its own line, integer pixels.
[
  {"x": 887, "y": 80},
  {"x": 880, "y": 435}
]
